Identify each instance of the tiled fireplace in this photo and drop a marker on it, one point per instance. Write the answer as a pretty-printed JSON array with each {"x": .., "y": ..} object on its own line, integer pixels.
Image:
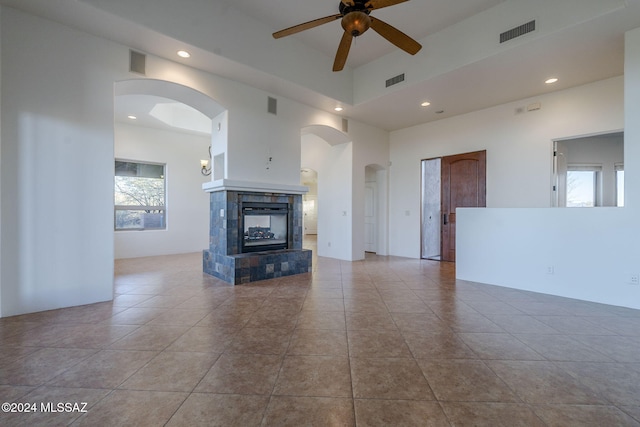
[{"x": 254, "y": 234}]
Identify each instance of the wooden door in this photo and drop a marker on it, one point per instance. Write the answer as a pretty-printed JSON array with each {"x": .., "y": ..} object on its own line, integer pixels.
[{"x": 463, "y": 186}]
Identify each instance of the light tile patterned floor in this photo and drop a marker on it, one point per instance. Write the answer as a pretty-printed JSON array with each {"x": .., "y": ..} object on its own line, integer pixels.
[{"x": 381, "y": 342}]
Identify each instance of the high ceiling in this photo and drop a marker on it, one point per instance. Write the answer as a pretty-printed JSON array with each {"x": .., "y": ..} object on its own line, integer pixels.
[
  {"x": 587, "y": 48},
  {"x": 160, "y": 113},
  {"x": 417, "y": 18}
]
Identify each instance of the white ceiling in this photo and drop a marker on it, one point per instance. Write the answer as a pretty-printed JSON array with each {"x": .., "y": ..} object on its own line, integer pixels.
[
  {"x": 417, "y": 19},
  {"x": 160, "y": 113},
  {"x": 578, "y": 54}
]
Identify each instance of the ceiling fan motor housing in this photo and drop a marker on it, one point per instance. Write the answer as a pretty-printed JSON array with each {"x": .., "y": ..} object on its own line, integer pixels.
[{"x": 356, "y": 22}]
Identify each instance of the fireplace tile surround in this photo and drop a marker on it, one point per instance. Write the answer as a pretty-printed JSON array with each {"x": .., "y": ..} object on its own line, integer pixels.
[{"x": 224, "y": 259}]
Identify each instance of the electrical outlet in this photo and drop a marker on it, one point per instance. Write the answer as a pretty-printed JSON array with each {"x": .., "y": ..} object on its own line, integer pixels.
[
  {"x": 551, "y": 269},
  {"x": 634, "y": 279}
]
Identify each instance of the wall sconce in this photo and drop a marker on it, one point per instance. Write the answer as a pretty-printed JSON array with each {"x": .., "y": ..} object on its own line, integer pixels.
[{"x": 205, "y": 168}]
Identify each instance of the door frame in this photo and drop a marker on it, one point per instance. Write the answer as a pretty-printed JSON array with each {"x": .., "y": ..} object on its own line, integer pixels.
[
  {"x": 423, "y": 212},
  {"x": 373, "y": 185},
  {"x": 442, "y": 198}
]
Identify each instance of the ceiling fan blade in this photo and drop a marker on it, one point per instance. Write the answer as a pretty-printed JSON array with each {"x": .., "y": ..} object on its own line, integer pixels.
[
  {"x": 343, "y": 51},
  {"x": 305, "y": 26},
  {"x": 348, "y": 2},
  {"x": 395, "y": 36},
  {"x": 379, "y": 4}
]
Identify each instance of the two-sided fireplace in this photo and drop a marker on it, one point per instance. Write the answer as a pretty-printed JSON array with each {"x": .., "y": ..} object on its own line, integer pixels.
[
  {"x": 265, "y": 226},
  {"x": 255, "y": 236}
]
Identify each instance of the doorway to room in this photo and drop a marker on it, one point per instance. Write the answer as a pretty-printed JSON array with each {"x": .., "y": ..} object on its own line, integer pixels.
[
  {"x": 370, "y": 210},
  {"x": 449, "y": 183},
  {"x": 589, "y": 171},
  {"x": 161, "y": 123},
  {"x": 309, "y": 178}
]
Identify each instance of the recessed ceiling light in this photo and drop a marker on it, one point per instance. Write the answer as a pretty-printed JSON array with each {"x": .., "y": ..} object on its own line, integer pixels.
[
  {"x": 183, "y": 54},
  {"x": 551, "y": 80},
  {"x": 132, "y": 117},
  {"x": 425, "y": 104},
  {"x": 338, "y": 108}
]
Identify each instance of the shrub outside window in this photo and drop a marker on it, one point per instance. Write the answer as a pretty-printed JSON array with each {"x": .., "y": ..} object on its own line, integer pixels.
[{"x": 139, "y": 196}]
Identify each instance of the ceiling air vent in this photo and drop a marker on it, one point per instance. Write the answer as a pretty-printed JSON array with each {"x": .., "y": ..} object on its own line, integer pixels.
[
  {"x": 395, "y": 80},
  {"x": 518, "y": 31},
  {"x": 137, "y": 62}
]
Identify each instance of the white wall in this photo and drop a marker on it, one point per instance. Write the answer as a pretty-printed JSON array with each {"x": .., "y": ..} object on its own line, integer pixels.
[
  {"x": 519, "y": 151},
  {"x": 57, "y": 150},
  {"x": 219, "y": 144},
  {"x": 371, "y": 149},
  {"x": 590, "y": 251},
  {"x": 0, "y": 160},
  {"x": 583, "y": 253},
  {"x": 56, "y": 169},
  {"x": 187, "y": 205},
  {"x": 333, "y": 164},
  {"x": 632, "y": 125}
]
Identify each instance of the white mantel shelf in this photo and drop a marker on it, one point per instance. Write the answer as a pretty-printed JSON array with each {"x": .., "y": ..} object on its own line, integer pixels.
[{"x": 261, "y": 187}]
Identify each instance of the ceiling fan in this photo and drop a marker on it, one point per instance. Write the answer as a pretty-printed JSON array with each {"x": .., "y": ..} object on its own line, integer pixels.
[{"x": 355, "y": 21}]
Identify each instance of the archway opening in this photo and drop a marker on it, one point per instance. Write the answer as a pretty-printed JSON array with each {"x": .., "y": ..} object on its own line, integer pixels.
[
  {"x": 162, "y": 132},
  {"x": 309, "y": 178},
  {"x": 328, "y": 152}
]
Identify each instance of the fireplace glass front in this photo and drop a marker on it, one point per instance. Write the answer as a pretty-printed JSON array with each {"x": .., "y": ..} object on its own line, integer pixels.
[{"x": 265, "y": 226}]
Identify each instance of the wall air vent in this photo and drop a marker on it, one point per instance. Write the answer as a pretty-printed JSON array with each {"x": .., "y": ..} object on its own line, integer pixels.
[
  {"x": 345, "y": 125},
  {"x": 518, "y": 31},
  {"x": 395, "y": 80},
  {"x": 272, "y": 106},
  {"x": 137, "y": 62}
]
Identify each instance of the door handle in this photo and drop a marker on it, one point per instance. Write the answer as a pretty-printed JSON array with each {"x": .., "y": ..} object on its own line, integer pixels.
[{"x": 444, "y": 221}]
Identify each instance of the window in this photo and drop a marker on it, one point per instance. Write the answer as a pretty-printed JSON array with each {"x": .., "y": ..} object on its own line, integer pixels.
[
  {"x": 582, "y": 186},
  {"x": 139, "y": 196},
  {"x": 619, "y": 184}
]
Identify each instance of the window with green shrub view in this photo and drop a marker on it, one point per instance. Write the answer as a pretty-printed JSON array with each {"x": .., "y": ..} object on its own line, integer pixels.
[{"x": 139, "y": 196}]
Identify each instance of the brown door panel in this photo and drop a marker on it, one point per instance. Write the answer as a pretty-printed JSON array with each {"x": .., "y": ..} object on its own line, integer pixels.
[{"x": 463, "y": 185}]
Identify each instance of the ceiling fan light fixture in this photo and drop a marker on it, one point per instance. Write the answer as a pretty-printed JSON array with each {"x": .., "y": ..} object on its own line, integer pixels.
[{"x": 356, "y": 22}]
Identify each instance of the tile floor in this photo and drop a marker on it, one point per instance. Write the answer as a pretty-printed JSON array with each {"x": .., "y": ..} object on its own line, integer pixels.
[{"x": 381, "y": 342}]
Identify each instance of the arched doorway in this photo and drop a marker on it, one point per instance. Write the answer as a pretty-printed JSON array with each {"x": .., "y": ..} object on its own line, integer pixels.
[
  {"x": 162, "y": 131},
  {"x": 328, "y": 152}
]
